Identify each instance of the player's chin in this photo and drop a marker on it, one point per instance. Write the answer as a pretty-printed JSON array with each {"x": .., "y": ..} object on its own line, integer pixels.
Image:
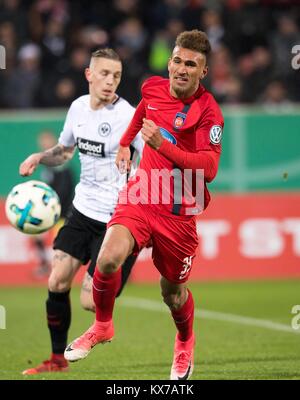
[
  {"x": 180, "y": 91},
  {"x": 106, "y": 98}
]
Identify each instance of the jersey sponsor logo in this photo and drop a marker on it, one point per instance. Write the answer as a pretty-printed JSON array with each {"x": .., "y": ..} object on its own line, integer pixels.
[
  {"x": 90, "y": 147},
  {"x": 104, "y": 129},
  {"x": 215, "y": 134},
  {"x": 179, "y": 120},
  {"x": 151, "y": 108},
  {"x": 167, "y": 135}
]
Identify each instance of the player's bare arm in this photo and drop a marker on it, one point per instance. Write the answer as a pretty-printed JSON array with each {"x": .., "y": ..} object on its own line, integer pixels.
[
  {"x": 151, "y": 134},
  {"x": 57, "y": 155}
]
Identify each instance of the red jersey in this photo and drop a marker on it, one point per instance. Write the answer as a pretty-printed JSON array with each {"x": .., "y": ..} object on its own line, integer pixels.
[{"x": 192, "y": 130}]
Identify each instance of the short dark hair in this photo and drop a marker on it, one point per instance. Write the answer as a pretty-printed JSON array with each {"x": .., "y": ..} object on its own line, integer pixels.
[
  {"x": 194, "y": 40},
  {"x": 106, "y": 53}
]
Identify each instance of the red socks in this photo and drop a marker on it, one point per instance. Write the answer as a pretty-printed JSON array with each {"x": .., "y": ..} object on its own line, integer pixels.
[
  {"x": 105, "y": 288},
  {"x": 184, "y": 318}
]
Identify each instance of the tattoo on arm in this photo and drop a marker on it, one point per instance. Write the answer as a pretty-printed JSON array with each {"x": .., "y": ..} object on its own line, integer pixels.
[
  {"x": 57, "y": 155},
  {"x": 57, "y": 151}
]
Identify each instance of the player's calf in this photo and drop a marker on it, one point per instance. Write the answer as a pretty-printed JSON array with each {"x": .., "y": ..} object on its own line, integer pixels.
[{"x": 86, "y": 293}]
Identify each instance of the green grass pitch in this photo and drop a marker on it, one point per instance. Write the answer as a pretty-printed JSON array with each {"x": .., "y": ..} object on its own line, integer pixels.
[{"x": 263, "y": 346}]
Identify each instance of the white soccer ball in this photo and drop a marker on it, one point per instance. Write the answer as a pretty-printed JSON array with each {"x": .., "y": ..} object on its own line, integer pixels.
[{"x": 32, "y": 207}]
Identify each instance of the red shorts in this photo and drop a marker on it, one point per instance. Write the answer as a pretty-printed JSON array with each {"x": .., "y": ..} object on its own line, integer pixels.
[{"x": 174, "y": 239}]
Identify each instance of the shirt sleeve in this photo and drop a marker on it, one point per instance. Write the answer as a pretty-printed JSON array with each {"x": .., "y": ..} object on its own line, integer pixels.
[
  {"x": 210, "y": 129},
  {"x": 66, "y": 137},
  {"x": 207, "y": 160},
  {"x": 135, "y": 125}
]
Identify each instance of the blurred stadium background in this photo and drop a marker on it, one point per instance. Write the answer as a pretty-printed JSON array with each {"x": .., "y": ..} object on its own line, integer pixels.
[{"x": 248, "y": 262}]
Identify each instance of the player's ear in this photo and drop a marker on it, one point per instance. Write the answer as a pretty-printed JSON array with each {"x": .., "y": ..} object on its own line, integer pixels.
[
  {"x": 169, "y": 63},
  {"x": 204, "y": 72},
  {"x": 88, "y": 75}
]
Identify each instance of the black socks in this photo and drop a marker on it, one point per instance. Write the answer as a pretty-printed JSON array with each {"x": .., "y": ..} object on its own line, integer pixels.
[{"x": 59, "y": 319}]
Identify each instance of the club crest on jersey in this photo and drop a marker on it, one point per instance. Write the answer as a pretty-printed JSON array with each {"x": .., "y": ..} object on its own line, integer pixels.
[
  {"x": 215, "y": 134},
  {"x": 104, "y": 129},
  {"x": 179, "y": 120},
  {"x": 167, "y": 135}
]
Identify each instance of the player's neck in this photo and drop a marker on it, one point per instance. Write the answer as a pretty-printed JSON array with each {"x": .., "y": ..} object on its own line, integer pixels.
[
  {"x": 183, "y": 95},
  {"x": 97, "y": 104}
]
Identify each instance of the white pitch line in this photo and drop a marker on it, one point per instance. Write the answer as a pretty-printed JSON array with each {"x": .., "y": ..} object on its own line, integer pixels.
[{"x": 151, "y": 305}]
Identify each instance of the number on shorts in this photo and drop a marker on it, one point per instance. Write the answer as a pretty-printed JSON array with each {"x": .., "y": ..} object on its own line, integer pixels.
[{"x": 186, "y": 267}]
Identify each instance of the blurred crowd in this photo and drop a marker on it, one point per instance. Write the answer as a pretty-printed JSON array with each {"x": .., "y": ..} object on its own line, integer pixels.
[{"x": 48, "y": 44}]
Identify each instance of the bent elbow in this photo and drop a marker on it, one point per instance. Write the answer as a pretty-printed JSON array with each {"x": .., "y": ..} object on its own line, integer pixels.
[{"x": 209, "y": 177}]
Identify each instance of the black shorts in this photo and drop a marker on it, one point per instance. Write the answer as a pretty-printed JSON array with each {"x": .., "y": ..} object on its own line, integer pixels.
[{"x": 81, "y": 237}]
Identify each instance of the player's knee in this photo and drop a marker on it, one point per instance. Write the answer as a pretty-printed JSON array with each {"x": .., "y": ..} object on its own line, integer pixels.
[
  {"x": 173, "y": 300},
  {"x": 170, "y": 301},
  {"x": 57, "y": 282},
  {"x": 109, "y": 260}
]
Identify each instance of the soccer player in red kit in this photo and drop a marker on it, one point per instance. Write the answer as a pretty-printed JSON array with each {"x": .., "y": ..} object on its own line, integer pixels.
[{"x": 181, "y": 125}]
